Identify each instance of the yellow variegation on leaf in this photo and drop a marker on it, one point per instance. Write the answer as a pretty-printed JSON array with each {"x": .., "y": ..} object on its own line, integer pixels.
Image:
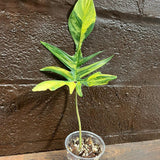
[
  {"x": 98, "y": 78},
  {"x": 52, "y": 85},
  {"x": 63, "y": 72},
  {"x": 81, "y": 21}
]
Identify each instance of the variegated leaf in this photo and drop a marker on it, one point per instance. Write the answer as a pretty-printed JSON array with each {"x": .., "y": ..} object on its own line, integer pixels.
[
  {"x": 65, "y": 58},
  {"x": 52, "y": 85},
  {"x": 86, "y": 59},
  {"x": 99, "y": 79},
  {"x": 81, "y": 72},
  {"x": 81, "y": 21},
  {"x": 63, "y": 72}
]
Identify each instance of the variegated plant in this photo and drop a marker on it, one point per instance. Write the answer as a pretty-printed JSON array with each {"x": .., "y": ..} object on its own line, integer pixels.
[{"x": 81, "y": 23}]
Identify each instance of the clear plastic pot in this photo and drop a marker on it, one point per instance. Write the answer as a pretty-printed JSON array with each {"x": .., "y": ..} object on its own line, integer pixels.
[{"x": 95, "y": 138}]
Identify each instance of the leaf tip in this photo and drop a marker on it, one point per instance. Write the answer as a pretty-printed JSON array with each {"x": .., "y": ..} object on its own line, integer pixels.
[
  {"x": 81, "y": 95},
  {"x": 42, "y": 69},
  {"x": 42, "y": 42},
  {"x": 116, "y": 77},
  {"x": 34, "y": 89},
  {"x": 112, "y": 56}
]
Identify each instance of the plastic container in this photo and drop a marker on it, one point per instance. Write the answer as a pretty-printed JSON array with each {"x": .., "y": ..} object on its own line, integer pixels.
[{"x": 96, "y": 138}]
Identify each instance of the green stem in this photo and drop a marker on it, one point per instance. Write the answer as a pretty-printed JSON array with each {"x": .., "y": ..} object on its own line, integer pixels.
[{"x": 79, "y": 122}]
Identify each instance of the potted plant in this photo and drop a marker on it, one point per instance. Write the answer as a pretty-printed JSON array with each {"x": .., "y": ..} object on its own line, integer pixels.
[{"x": 79, "y": 144}]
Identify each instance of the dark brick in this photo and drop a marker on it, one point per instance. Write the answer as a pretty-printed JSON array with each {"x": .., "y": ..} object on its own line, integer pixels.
[
  {"x": 151, "y": 8},
  {"x": 128, "y": 6},
  {"x": 29, "y": 117},
  {"x": 22, "y": 55},
  {"x": 118, "y": 114},
  {"x": 136, "y": 49}
]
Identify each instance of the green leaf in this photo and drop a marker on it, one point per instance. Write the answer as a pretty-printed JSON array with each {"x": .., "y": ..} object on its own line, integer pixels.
[
  {"x": 81, "y": 21},
  {"x": 79, "y": 88},
  {"x": 52, "y": 85},
  {"x": 86, "y": 59},
  {"x": 92, "y": 67},
  {"x": 65, "y": 58},
  {"x": 99, "y": 79},
  {"x": 63, "y": 72}
]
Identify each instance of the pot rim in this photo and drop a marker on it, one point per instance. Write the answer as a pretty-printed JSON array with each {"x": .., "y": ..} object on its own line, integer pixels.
[{"x": 95, "y": 135}]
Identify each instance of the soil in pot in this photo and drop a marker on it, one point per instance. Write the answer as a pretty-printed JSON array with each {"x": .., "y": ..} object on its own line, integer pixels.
[{"x": 89, "y": 149}]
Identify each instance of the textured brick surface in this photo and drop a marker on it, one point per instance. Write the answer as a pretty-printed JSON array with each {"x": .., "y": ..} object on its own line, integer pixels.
[
  {"x": 126, "y": 110},
  {"x": 151, "y": 8},
  {"x": 128, "y": 6}
]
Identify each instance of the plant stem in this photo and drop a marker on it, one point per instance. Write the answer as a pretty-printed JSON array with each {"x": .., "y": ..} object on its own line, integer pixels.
[{"x": 79, "y": 122}]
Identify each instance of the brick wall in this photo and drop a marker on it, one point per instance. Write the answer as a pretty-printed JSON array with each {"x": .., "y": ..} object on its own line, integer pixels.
[{"x": 126, "y": 110}]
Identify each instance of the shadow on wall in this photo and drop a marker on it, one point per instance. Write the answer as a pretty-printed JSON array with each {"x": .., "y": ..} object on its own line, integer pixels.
[{"x": 32, "y": 118}]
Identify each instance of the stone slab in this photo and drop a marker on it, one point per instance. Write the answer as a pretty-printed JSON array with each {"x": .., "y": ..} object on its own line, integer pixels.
[{"x": 147, "y": 150}]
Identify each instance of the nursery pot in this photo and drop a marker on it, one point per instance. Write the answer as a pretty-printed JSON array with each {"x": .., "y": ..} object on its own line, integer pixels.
[{"x": 96, "y": 139}]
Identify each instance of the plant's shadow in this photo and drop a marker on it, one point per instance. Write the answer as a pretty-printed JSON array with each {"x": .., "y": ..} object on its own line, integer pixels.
[
  {"x": 36, "y": 103},
  {"x": 59, "y": 122}
]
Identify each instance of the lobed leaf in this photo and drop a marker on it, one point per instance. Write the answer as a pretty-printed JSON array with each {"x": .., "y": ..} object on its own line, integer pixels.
[
  {"x": 81, "y": 23},
  {"x": 92, "y": 67},
  {"x": 65, "y": 58},
  {"x": 52, "y": 85},
  {"x": 63, "y": 72},
  {"x": 86, "y": 59},
  {"x": 99, "y": 79}
]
